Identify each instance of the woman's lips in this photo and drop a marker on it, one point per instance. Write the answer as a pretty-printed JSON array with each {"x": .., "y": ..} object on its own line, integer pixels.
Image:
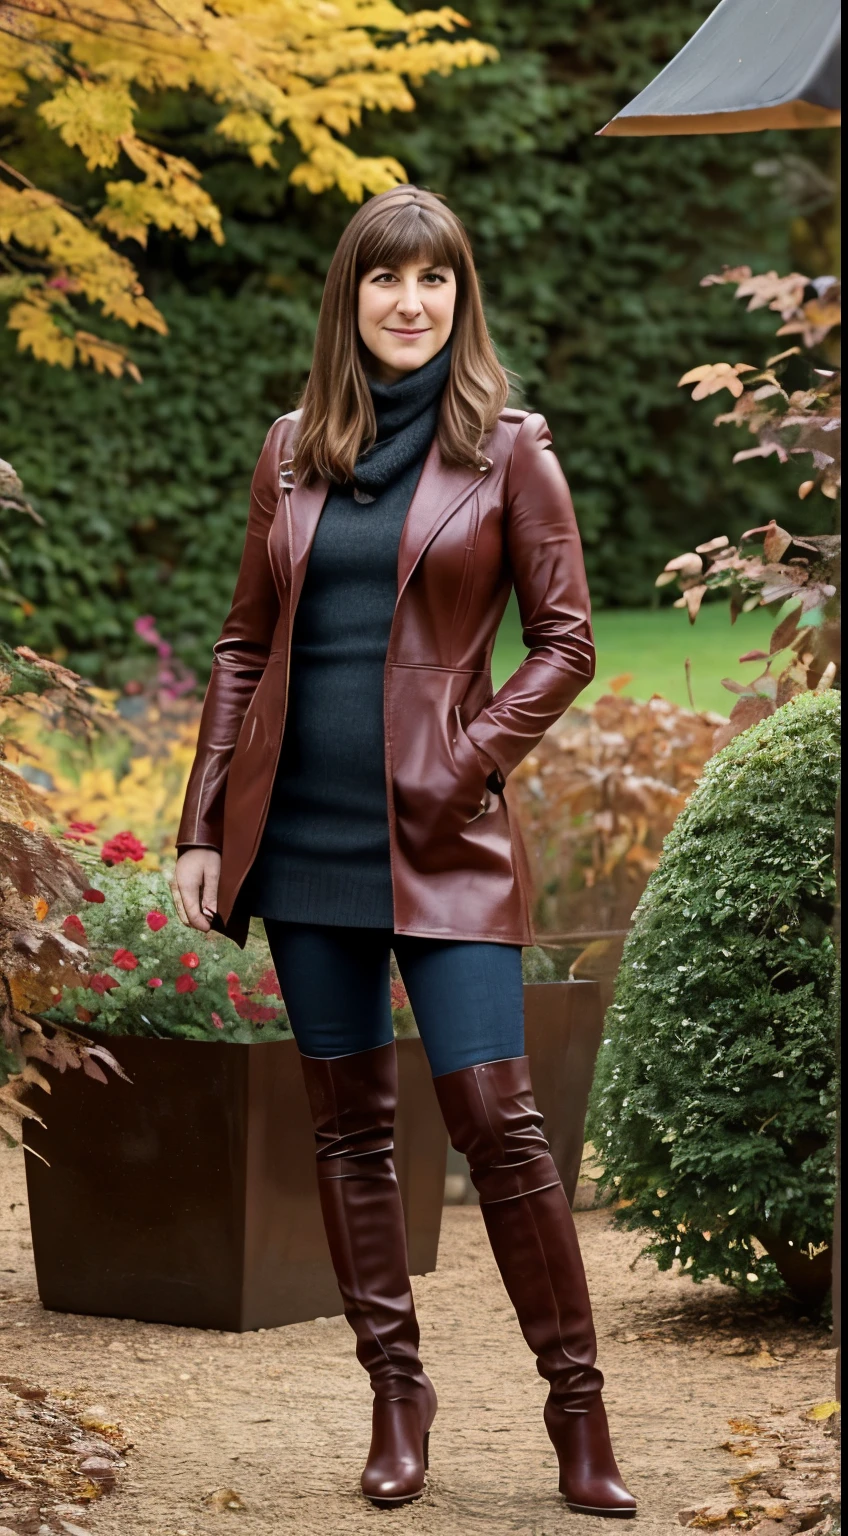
[{"x": 395, "y": 331}]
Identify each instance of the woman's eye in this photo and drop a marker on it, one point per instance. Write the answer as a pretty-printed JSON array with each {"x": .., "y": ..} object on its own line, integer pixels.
[
  {"x": 434, "y": 277},
  {"x": 384, "y": 277}
]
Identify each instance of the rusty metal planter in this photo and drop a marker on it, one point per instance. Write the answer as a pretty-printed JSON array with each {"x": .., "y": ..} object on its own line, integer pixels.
[
  {"x": 563, "y": 1024},
  {"x": 189, "y": 1195}
]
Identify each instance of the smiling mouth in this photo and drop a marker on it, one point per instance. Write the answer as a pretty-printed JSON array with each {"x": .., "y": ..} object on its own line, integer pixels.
[{"x": 397, "y": 331}]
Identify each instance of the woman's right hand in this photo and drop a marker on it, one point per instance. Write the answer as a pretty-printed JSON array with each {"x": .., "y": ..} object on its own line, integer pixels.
[{"x": 195, "y": 887}]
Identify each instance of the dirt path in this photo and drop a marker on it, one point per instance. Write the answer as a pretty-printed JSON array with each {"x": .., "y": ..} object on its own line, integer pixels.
[{"x": 282, "y": 1417}]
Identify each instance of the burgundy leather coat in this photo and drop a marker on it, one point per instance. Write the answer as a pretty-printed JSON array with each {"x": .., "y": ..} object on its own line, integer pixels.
[{"x": 458, "y": 864}]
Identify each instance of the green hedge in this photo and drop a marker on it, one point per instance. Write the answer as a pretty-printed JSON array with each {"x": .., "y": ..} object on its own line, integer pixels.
[
  {"x": 591, "y": 251},
  {"x": 713, "y": 1107}
]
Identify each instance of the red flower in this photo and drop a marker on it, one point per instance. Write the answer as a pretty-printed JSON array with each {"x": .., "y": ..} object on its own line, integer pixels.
[
  {"x": 83, "y": 1014},
  {"x": 92, "y": 895},
  {"x": 73, "y": 927},
  {"x": 103, "y": 982},
  {"x": 268, "y": 984},
  {"x": 76, "y": 833},
  {"x": 185, "y": 984},
  {"x": 217, "y": 1021},
  {"x": 155, "y": 920},
  {"x": 155, "y": 981},
  {"x": 399, "y": 995},
  {"x": 255, "y": 1013},
  {"x": 124, "y": 959},
  {"x": 120, "y": 847},
  {"x": 190, "y": 959}
]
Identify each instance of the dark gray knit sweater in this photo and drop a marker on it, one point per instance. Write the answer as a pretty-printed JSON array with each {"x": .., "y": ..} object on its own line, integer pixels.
[{"x": 324, "y": 853}]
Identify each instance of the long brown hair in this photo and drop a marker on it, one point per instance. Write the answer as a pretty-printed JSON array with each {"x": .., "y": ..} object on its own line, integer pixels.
[{"x": 337, "y": 424}]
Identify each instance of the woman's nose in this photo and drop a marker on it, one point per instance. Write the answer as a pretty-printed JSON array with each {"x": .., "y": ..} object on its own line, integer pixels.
[{"x": 409, "y": 302}]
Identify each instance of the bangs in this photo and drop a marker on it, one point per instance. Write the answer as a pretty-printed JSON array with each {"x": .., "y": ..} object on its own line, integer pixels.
[{"x": 409, "y": 233}]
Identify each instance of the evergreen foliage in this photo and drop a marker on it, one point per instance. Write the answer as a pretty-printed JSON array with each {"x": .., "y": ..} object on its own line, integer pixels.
[
  {"x": 591, "y": 251},
  {"x": 713, "y": 1107}
]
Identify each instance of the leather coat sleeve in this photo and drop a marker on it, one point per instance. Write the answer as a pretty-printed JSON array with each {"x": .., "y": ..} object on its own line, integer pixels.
[
  {"x": 546, "y": 558},
  {"x": 239, "y": 657}
]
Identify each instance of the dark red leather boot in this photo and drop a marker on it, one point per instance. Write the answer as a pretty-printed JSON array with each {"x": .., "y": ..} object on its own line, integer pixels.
[
  {"x": 491, "y": 1116},
  {"x": 353, "y": 1099}
]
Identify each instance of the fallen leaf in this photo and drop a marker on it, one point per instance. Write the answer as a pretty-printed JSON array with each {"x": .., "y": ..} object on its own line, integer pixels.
[
  {"x": 745, "y": 1448},
  {"x": 224, "y": 1498},
  {"x": 823, "y": 1410},
  {"x": 764, "y": 1361}
]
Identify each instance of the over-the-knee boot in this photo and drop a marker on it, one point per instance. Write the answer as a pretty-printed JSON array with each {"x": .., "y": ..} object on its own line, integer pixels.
[
  {"x": 353, "y": 1099},
  {"x": 492, "y": 1117}
]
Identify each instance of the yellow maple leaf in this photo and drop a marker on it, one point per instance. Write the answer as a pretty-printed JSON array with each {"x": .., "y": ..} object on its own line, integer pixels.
[{"x": 269, "y": 66}]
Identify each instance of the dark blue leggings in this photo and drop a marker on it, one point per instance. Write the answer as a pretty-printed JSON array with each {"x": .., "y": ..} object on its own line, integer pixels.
[{"x": 466, "y": 996}]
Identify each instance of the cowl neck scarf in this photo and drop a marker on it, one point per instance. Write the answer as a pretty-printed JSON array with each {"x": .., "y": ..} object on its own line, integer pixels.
[{"x": 407, "y": 414}]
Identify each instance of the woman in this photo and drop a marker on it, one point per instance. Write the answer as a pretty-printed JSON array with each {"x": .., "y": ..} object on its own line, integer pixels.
[{"x": 348, "y": 789}]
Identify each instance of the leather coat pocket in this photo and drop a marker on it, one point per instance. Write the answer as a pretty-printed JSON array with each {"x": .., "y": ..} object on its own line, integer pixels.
[{"x": 473, "y": 797}]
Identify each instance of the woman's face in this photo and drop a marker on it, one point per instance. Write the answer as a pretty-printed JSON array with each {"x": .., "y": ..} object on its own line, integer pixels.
[{"x": 405, "y": 315}]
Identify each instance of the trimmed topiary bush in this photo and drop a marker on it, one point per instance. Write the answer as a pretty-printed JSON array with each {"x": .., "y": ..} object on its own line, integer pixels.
[{"x": 713, "y": 1108}]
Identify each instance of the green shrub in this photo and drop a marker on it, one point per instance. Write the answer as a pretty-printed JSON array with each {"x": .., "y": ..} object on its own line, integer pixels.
[
  {"x": 713, "y": 1106},
  {"x": 536, "y": 965}
]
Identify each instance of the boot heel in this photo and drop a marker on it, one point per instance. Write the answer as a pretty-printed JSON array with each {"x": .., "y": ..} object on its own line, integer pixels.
[
  {"x": 427, "y": 1451},
  {"x": 589, "y": 1479}
]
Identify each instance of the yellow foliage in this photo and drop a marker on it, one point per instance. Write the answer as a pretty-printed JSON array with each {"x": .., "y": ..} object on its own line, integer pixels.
[
  {"x": 308, "y": 67},
  {"x": 92, "y": 118},
  {"x": 144, "y": 797}
]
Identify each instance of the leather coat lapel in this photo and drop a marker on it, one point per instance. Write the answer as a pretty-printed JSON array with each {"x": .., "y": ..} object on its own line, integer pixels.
[
  {"x": 300, "y": 510},
  {"x": 441, "y": 489}
]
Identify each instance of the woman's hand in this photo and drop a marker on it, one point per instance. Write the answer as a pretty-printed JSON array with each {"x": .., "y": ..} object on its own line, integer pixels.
[{"x": 195, "y": 887}]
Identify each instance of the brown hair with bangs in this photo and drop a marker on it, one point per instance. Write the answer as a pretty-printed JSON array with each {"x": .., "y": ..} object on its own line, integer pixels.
[{"x": 337, "y": 421}]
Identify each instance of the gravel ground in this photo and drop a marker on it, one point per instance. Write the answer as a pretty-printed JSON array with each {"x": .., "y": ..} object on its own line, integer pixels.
[{"x": 263, "y": 1434}]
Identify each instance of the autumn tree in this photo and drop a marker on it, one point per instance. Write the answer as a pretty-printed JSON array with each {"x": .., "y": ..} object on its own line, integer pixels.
[{"x": 271, "y": 67}]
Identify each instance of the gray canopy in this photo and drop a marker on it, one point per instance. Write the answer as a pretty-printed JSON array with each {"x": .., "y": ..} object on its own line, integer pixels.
[{"x": 753, "y": 64}]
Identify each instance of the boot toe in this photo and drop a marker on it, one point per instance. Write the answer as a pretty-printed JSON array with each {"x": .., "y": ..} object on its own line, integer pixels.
[{"x": 612, "y": 1501}]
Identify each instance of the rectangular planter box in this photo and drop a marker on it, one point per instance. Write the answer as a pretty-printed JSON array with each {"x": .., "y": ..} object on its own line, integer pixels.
[
  {"x": 189, "y": 1195},
  {"x": 563, "y": 1025}
]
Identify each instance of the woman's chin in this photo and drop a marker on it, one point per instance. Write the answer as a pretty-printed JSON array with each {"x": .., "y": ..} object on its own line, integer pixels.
[{"x": 405, "y": 356}]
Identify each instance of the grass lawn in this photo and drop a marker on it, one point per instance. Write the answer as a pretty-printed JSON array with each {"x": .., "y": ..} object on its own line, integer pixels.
[{"x": 652, "y": 645}]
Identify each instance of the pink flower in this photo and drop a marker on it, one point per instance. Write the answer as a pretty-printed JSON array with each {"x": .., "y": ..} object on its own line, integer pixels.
[
  {"x": 124, "y": 845},
  {"x": 155, "y": 920},
  {"x": 217, "y": 1021},
  {"x": 185, "y": 984},
  {"x": 92, "y": 895},
  {"x": 155, "y": 981},
  {"x": 124, "y": 959},
  {"x": 190, "y": 959},
  {"x": 73, "y": 927},
  {"x": 103, "y": 983}
]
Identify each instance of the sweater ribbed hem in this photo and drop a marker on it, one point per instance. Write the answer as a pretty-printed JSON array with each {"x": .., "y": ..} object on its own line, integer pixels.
[{"x": 327, "y": 893}]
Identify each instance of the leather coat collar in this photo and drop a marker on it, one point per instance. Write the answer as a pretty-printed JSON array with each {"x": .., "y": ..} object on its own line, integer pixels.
[{"x": 441, "y": 490}]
